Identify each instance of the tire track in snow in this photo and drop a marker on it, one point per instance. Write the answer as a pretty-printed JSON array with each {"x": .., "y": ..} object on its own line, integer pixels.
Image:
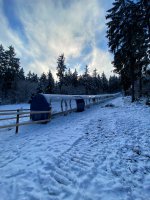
[
  {"x": 101, "y": 162},
  {"x": 76, "y": 167}
]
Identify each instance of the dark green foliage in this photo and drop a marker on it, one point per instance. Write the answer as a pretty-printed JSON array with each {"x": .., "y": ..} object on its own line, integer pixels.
[
  {"x": 127, "y": 32},
  {"x": 32, "y": 77},
  {"x": 50, "y": 83},
  {"x": 43, "y": 82},
  {"x": 21, "y": 74},
  {"x": 114, "y": 84},
  {"x": 10, "y": 72},
  {"x": 61, "y": 67},
  {"x": 104, "y": 82},
  {"x": 75, "y": 78},
  {"x": 86, "y": 80}
]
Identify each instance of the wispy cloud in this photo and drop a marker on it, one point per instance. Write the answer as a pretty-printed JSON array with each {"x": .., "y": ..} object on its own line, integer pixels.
[{"x": 54, "y": 27}]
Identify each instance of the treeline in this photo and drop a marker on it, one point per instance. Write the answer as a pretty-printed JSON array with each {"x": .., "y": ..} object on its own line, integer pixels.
[
  {"x": 15, "y": 86},
  {"x": 128, "y": 32}
]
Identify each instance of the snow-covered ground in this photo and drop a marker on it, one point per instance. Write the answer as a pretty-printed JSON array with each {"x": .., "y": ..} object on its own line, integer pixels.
[{"x": 100, "y": 154}]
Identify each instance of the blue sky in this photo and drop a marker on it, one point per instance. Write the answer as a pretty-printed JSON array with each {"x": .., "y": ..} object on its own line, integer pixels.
[{"x": 41, "y": 30}]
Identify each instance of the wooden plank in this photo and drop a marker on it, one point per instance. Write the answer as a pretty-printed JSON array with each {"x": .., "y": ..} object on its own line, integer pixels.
[
  {"x": 23, "y": 113},
  {"x": 14, "y": 117},
  {"x": 25, "y": 123},
  {"x": 12, "y": 110},
  {"x": 23, "y": 116},
  {"x": 10, "y": 113},
  {"x": 7, "y": 118},
  {"x": 17, "y": 121}
]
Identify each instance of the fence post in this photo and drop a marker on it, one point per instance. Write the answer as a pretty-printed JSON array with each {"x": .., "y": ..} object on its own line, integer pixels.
[
  {"x": 17, "y": 121},
  {"x": 66, "y": 107},
  {"x": 70, "y": 104},
  {"x": 61, "y": 105}
]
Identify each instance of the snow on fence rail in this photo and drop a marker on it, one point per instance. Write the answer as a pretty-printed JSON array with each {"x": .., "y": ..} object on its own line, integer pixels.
[{"x": 64, "y": 101}]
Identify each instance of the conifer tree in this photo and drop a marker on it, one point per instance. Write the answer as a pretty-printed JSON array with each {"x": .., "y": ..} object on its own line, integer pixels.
[
  {"x": 2, "y": 61},
  {"x": 68, "y": 78},
  {"x": 104, "y": 82},
  {"x": 50, "y": 83},
  {"x": 43, "y": 82},
  {"x": 75, "y": 78},
  {"x": 127, "y": 39},
  {"x": 86, "y": 81},
  {"x": 11, "y": 72},
  {"x": 61, "y": 67},
  {"x": 21, "y": 74}
]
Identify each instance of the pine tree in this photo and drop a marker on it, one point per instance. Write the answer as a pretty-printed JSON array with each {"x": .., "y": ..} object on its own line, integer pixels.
[
  {"x": 32, "y": 77},
  {"x": 127, "y": 39},
  {"x": 2, "y": 61},
  {"x": 143, "y": 39},
  {"x": 11, "y": 73},
  {"x": 2, "y": 68},
  {"x": 104, "y": 83},
  {"x": 21, "y": 74},
  {"x": 95, "y": 73},
  {"x": 86, "y": 73},
  {"x": 86, "y": 81},
  {"x": 145, "y": 5},
  {"x": 61, "y": 67},
  {"x": 95, "y": 84},
  {"x": 99, "y": 83},
  {"x": 29, "y": 76},
  {"x": 114, "y": 84},
  {"x": 75, "y": 78},
  {"x": 50, "y": 83},
  {"x": 43, "y": 82},
  {"x": 68, "y": 78}
]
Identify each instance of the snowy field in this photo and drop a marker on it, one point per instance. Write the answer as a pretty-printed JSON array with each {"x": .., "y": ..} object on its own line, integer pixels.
[{"x": 100, "y": 154}]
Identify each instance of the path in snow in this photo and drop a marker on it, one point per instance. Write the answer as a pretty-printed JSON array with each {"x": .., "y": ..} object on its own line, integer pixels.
[{"x": 109, "y": 157}]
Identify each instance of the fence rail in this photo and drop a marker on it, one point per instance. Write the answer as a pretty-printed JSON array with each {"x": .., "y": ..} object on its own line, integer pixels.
[{"x": 12, "y": 110}]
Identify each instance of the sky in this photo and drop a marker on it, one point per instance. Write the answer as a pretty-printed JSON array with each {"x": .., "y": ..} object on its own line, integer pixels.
[{"x": 41, "y": 30}]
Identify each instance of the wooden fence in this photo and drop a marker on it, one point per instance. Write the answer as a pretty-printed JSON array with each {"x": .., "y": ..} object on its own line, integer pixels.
[
  {"x": 23, "y": 113},
  {"x": 26, "y": 113}
]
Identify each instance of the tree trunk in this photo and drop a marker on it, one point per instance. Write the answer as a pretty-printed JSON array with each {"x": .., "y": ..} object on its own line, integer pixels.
[
  {"x": 60, "y": 88},
  {"x": 132, "y": 80},
  {"x": 140, "y": 82}
]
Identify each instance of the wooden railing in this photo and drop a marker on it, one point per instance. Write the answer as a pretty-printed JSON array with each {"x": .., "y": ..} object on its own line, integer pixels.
[
  {"x": 20, "y": 113},
  {"x": 26, "y": 113}
]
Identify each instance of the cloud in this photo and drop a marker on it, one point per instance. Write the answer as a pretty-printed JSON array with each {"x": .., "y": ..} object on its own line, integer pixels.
[
  {"x": 7, "y": 35},
  {"x": 101, "y": 60},
  {"x": 54, "y": 27}
]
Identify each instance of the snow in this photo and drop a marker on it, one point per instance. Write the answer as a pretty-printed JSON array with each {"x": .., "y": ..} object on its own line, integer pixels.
[
  {"x": 102, "y": 153},
  {"x": 15, "y": 106},
  {"x": 56, "y": 97}
]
